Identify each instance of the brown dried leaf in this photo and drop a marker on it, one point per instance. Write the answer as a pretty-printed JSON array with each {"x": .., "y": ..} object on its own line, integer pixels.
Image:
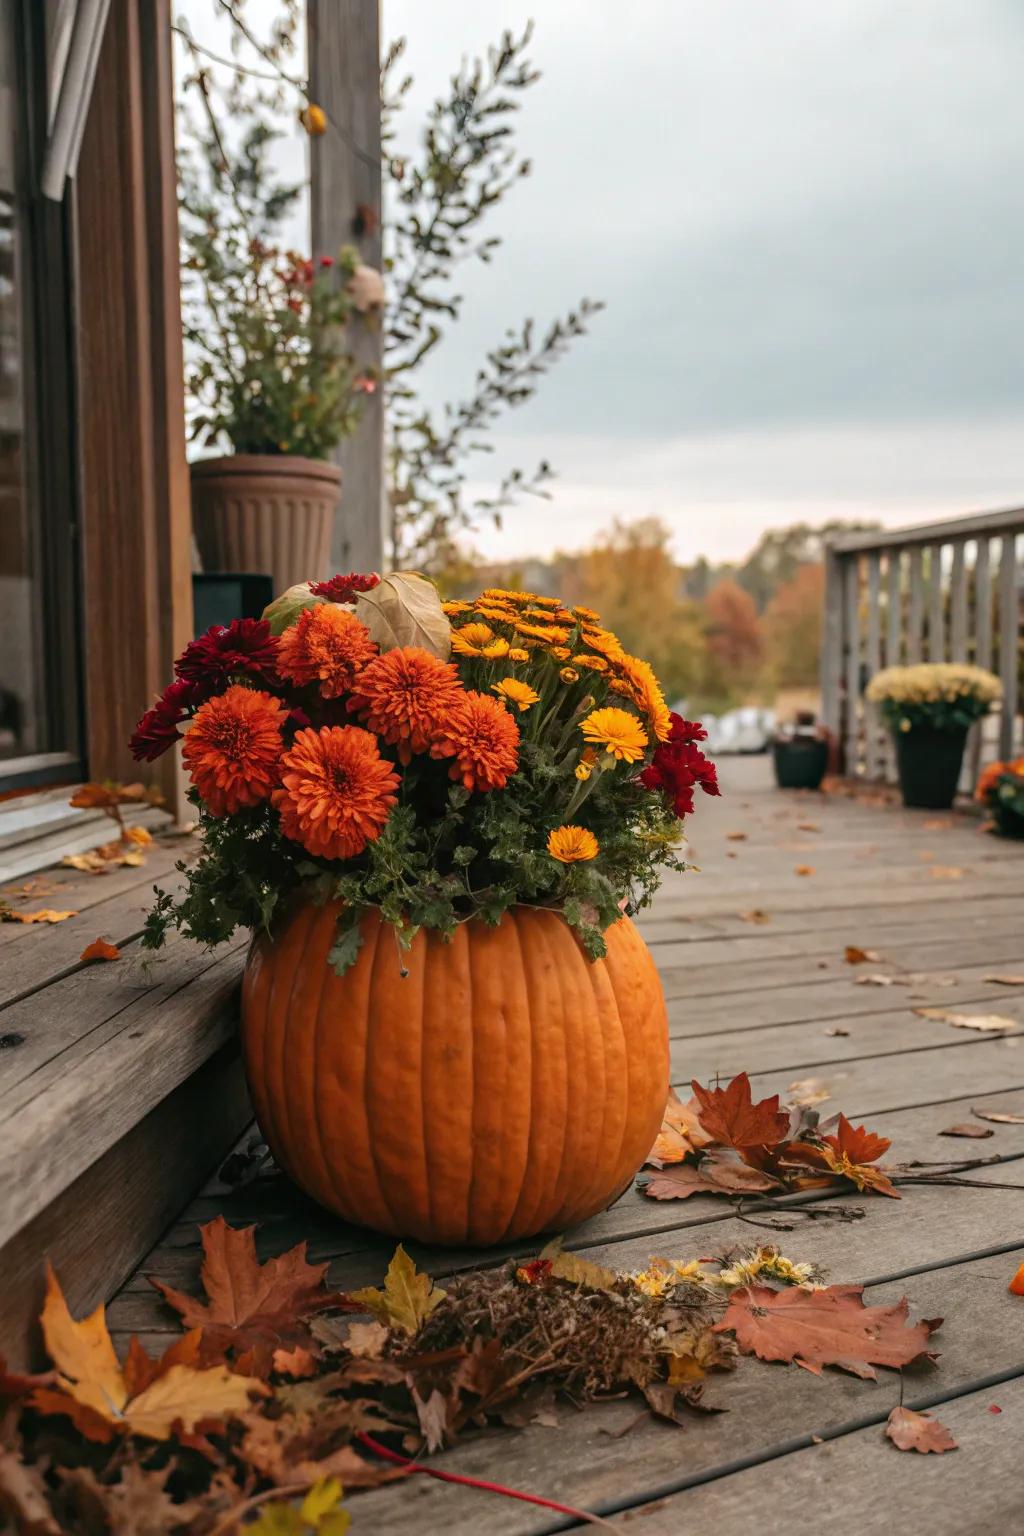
[
  {"x": 366, "y": 1340},
  {"x": 854, "y": 955},
  {"x": 965, "y": 1128},
  {"x": 875, "y": 979},
  {"x": 984, "y": 1021},
  {"x": 1007, "y": 980},
  {"x": 910, "y": 1431},
  {"x": 831, "y": 1326},
  {"x": 46, "y": 915},
  {"x": 405, "y": 609},
  {"x": 714, "y": 1176},
  {"x": 755, "y": 915},
  {"x": 578, "y": 1271},
  {"x": 808, "y": 826},
  {"x": 998, "y": 1116},
  {"x": 946, "y": 872},
  {"x": 730, "y": 1117},
  {"x": 736, "y": 837},
  {"x": 804, "y": 869}
]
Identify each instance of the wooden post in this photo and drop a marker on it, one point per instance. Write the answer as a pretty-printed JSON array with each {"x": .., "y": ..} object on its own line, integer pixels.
[
  {"x": 832, "y": 644},
  {"x": 936, "y": 617},
  {"x": 982, "y": 639},
  {"x": 893, "y": 640},
  {"x": 958, "y": 605},
  {"x": 344, "y": 79},
  {"x": 851, "y": 632},
  {"x": 1009, "y": 630},
  {"x": 915, "y": 613},
  {"x": 136, "y": 522},
  {"x": 874, "y": 661}
]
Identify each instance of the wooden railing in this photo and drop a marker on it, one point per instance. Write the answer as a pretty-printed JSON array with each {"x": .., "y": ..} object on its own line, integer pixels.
[{"x": 946, "y": 591}]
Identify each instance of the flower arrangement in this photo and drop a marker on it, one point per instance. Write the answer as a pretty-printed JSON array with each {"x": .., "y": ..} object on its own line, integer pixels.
[
  {"x": 436, "y": 762},
  {"x": 1001, "y": 789},
  {"x": 939, "y": 695}
]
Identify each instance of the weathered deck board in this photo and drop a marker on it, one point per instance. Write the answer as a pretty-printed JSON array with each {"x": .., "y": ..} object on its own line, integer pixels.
[{"x": 778, "y": 1001}]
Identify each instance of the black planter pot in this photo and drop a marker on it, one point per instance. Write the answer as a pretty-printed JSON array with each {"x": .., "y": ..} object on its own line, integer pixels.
[
  {"x": 800, "y": 762},
  {"x": 1009, "y": 821},
  {"x": 929, "y": 763}
]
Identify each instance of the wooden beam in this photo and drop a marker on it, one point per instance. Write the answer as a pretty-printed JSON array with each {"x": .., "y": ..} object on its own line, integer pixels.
[
  {"x": 344, "y": 69},
  {"x": 973, "y": 526},
  {"x": 136, "y": 522}
]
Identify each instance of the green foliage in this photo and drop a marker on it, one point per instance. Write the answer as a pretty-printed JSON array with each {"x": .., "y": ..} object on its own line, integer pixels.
[{"x": 465, "y": 165}]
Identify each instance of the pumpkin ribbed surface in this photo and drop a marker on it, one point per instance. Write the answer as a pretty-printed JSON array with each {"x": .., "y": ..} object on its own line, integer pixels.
[{"x": 506, "y": 1085}]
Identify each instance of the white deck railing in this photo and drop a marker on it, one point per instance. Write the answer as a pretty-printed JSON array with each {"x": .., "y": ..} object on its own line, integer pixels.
[{"x": 946, "y": 591}]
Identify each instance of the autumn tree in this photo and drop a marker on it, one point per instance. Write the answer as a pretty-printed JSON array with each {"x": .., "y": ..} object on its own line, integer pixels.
[
  {"x": 630, "y": 578},
  {"x": 792, "y": 626},
  {"x": 735, "y": 643}
]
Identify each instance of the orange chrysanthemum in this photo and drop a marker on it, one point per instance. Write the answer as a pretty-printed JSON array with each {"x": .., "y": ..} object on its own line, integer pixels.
[
  {"x": 326, "y": 645},
  {"x": 478, "y": 640},
  {"x": 233, "y": 748},
  {"x": 337, "y": 791},
  {"x": 550, "y": 634},
  {"x": 454, "y": 607},
  {"x": 586, "y": 613},
  {"x": 572, "y": 845},
  {"x": 593, "y": 663},
  {"x": 483, "y": 738},
  {"x": 518, "y": 654},
  {"x": 604, "y": 643},
  {"x": 407, "y": 696},
  {"x": 617, "y": 731}
]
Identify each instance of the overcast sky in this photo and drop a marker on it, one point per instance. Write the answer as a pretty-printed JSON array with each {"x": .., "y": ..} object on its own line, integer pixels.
[{"x": 806, "y": 220}]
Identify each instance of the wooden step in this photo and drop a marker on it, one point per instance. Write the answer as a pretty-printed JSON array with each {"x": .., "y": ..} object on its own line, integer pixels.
[{"x": 120, "y": 1089}]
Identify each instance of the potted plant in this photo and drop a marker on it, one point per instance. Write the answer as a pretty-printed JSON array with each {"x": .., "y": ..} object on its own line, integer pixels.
[
  {"x": 929, "y": 708},
  {"x": 437, "y": 821},
  {"x": 800, "y": 753},
  {"x": 270, "y": 374},
  {"x": 1001, "y": 790}
]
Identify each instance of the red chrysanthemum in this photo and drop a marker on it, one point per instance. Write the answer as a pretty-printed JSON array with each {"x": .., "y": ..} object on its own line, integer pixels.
[
  {"x": 679, "y": 765},
  {"x": 343, "y": 589},
  {"x": 483, "y": 738},
  {"x": 243, "y": 646},
  {"x": 407, "y": 697},
  {"x": 158, "y": 728},
  {"x": 326, "y": 645},
  {"x": 337, "y": 791},
  {"x": 233, "y": 748}
]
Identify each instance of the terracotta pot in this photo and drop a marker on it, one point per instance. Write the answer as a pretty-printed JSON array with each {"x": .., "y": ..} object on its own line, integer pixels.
[
  {"x": 470, "y": 1092},
  {"x": 256, "y": 512}
]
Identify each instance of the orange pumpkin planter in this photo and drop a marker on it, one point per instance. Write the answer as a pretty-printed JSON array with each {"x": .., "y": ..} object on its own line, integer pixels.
[{"x": 506, "y": 1085}]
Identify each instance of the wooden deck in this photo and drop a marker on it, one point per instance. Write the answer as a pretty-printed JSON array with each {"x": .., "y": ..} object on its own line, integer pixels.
[{"x": 940, "y": 901}]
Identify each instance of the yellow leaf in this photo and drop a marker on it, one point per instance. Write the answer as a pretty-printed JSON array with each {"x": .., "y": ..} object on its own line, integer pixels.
[
  {"x": 321, "y": 1500},
  {"x": 139, "y": 836},
  {"x": 82, "y": 1353},
  {"x": 47, "y": 915},
  {"x": 407, "y": 1298},
  {"x": 684, "y": 1370},
  {"x": 569, "y": 1266},
  {"x": 182, "y": 1395}
]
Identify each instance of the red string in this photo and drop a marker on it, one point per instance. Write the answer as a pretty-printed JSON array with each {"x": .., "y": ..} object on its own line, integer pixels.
[{"x": 474, "y": 1482}]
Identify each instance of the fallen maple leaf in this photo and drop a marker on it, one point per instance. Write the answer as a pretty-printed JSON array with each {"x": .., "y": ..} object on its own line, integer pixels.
[
  {"x": 736, "y": 837},
  {"x": 998, "y": 1116},
  {"x": 755, "y": 915},
  {"x": 712, "y": 1177},
  {"x": 46, "y": 915},
  {"x": 1007, "y": 980},
  {"x": 849, "y": 1154},
  {"x": 831, "y": 1326},
  {"x": 145, "y": 1397},
  {"x": 253, "y": 1308},
  {"x": 1016, "y": 1285},
  {"x": 681, "y": 1132},
  {"x": 139, "y": 836},
  {"x": 730, "y": 1117},
  {"x": 366, "y": 1340},
  {"x": 965, "y": 1128},
  {"x": 910, "y": 1431},
  {"x": 808, "y": 826},
  {"x": 854, "y": 955},
  {"x": 946, "y": 872},
  {"x": 967, "y": 1020},
  {"x": 807, "y": 1091},
  {"x": 407, "y": 1298},
  {"x": 99, "y": 949},
  {"x": 804, "y": 869},
  {"x": 577, "y": 1271}
]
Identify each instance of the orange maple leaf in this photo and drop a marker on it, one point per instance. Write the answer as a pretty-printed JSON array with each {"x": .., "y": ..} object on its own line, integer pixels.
[
  {"x": 144, "y": 1397},
  {"x": 730, "y": 1118},
  {"x": 99, "y": 949},
  {"x": 848, "y": 1153},
  {"x": 254, "y": 1310},
  {"x": 831, "y": 1326}
]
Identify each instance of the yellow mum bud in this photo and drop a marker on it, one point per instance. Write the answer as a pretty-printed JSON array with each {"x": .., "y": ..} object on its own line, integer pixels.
[{"x": 313, "y": 119}]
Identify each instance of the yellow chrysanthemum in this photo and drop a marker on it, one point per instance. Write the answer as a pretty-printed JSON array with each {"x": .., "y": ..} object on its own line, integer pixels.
[
  {"x": 569, "y": 675},
  {"x": 478, "y": 640},
  {"x": 617, "y": 731},
  {"x": 572, "y": 845},
  {"x": 515, "y": 692},
  {"x": 592, "y": 663},
  {"x": 452, "y": 608},
  {"x": 499, "y": 594},
  {"x": 587, "y": 614},
  {"x": 475, "y": 634},
  {"x": 550, "y": 634},
  {"x": 585, "y": 766},
  {"x": 604, "y": 643},
  {"x": 648, "y": 695},
  {"x": 493, "y": 614},
  {"x": 559, "y": 652},
  {"x": 518, "y": 654},
  {"x": 547, "y": 602}
]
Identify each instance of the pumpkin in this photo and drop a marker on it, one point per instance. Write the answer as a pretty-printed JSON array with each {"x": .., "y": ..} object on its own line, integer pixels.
[{"x": 471, "y": 1092}]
